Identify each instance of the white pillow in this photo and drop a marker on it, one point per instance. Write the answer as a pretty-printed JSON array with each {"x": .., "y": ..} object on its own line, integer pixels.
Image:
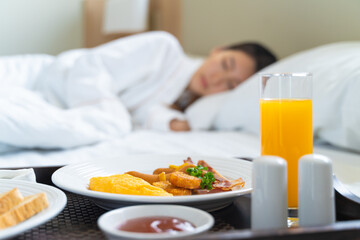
[
  {"x": 336, "y": 98},
  {"x": 201, "y": 114}
]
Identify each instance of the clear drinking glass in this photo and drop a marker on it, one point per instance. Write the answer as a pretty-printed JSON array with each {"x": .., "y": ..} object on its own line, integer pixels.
[{"x": 286, "y": 124}]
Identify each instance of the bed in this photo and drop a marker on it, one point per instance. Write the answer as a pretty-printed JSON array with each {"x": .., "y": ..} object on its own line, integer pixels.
[{"x": 234, "y": 133}]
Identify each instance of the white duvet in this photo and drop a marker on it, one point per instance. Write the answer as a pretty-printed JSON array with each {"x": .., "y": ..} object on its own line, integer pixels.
[
  {"x": 27, "y": 120},
  {"x": 86, "y": 96}
]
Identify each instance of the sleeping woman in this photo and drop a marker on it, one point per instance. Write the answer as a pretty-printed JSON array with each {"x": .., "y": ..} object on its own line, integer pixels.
[{"x": 150, "y": 76}]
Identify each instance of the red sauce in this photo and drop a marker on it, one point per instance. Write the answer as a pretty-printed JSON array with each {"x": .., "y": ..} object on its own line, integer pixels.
[{"x": 156, "y": 224}]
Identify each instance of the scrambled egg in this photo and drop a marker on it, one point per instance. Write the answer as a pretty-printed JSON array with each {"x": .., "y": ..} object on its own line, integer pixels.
[{"x": 126, "y": 184}]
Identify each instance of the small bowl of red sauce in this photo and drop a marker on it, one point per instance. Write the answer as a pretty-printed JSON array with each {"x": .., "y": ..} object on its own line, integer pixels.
[{"x": 154, "y": 222}]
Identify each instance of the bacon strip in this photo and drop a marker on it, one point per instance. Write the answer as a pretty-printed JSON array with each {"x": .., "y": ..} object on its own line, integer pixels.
[
  {"x": 221, "y": 181},
  {"x": 188, "y": 160}
]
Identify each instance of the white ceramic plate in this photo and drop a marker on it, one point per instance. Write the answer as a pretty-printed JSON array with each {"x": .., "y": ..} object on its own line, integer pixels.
[
  {"x": 57, "y": 201},
  {"x": 75, "y": 178}
]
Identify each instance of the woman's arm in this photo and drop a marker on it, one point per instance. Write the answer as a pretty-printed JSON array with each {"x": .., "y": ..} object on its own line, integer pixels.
[{"x": 163, "y": 118}]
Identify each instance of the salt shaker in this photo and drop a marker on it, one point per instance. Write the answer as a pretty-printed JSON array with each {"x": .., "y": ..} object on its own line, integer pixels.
[
  {"x": 269, "y": 196},
  {"x": 316, "y": 193}
]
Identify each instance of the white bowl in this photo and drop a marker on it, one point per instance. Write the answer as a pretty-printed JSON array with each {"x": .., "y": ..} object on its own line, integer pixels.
[{"x": 110, "y": 221}]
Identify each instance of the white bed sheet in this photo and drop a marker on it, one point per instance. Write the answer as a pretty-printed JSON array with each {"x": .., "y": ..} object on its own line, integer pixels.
[
  {"x": 216, "y": 143},
  {"x": 226, "y": 144}
]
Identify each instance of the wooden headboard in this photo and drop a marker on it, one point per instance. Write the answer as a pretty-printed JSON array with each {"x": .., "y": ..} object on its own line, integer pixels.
[{"x": 163, "y": 15}]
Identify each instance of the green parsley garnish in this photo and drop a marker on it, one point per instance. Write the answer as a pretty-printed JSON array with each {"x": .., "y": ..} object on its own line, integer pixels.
[{"x": 206, "y": 180}]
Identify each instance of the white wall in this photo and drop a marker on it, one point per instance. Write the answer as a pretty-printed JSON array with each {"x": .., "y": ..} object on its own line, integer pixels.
[
  {"x": 286, "y": 26},
  {"x": 40, "y": 26}
]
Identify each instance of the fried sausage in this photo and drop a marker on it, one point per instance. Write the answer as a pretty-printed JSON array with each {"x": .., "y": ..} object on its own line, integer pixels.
[
  {"x": 183, "y": 169},
  {"x": 171, "y": 170},
  {"x": 180, "y": 179},
  {"x": 165, "y": 170},
  {"x": 150, "y": 178}
]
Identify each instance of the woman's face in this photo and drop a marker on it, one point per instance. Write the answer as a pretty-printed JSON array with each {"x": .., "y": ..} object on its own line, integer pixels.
[{"x": 221, "y": 71}]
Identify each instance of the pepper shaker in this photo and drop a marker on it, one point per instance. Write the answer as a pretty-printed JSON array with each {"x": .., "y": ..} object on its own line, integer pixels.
[
  {"x": 269, "y": 196},
  {"x": 316, "y": 192}
]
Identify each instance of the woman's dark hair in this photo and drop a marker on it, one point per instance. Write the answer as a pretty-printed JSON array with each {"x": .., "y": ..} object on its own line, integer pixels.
[{"x": 262, "y": 56}]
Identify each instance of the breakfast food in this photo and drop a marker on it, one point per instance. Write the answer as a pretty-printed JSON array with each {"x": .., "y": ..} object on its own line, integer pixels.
[
  {"x": 189, "y": 179},
  {"x": 186, "y": 179},
  {"x": 9, "y": 200},
  {"x": 125, "y": 184},
  {"x": 19, "y": 208},
  {"x": 168, "y": 187}
]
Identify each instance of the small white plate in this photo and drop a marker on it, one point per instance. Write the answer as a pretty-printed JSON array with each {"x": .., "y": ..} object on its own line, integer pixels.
[
  {"x": 57, "y": 201},
  {"x": 75, "y": 178},
  {"x": 110, "y": 221}
]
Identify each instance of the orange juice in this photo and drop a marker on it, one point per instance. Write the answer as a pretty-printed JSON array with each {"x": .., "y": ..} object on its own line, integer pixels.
[{"x": 286, "y": 131}]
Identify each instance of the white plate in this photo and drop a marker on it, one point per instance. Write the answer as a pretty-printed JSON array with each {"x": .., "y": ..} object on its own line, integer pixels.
[
  {"x": 57, "y": 201},
  {"x": 75, "y": 178}
]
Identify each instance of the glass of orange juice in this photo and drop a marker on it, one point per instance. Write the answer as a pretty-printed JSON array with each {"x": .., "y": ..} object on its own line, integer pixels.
[{"x": 286, "y": 124}]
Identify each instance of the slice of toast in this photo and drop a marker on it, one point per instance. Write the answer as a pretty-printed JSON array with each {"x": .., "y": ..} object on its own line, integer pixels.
[
  {"x": 27, "y": 208},
  {"x": 10, "y": 199}
]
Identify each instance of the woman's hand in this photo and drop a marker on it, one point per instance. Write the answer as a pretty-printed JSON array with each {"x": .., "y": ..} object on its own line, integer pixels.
[{"x": 179, "y": 125}]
